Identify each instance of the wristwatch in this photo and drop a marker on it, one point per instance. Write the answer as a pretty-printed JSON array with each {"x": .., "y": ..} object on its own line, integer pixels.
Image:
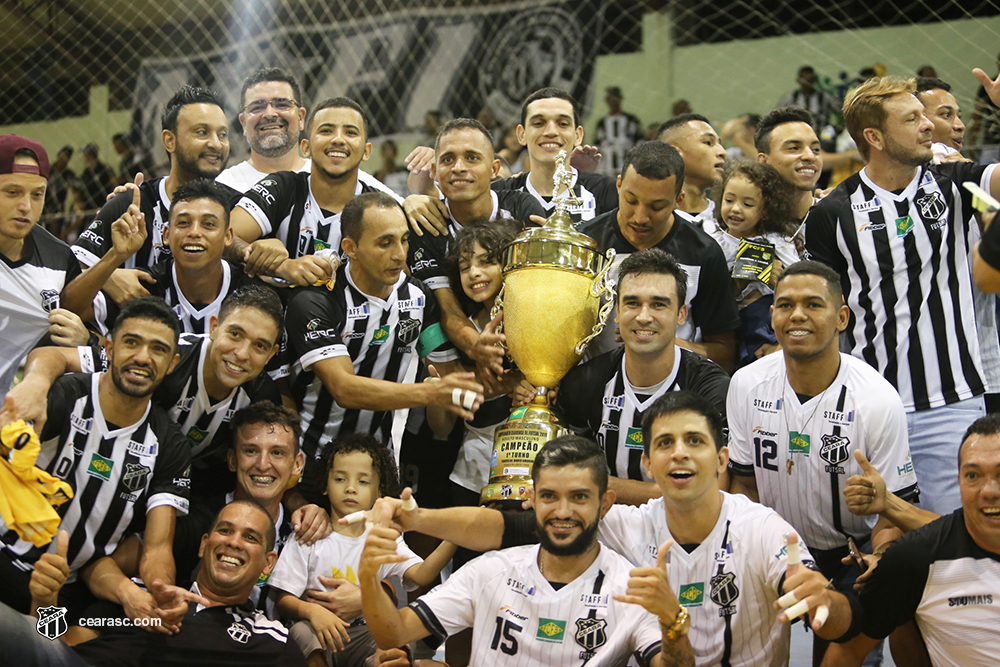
[{"x": 679, "y": 628}]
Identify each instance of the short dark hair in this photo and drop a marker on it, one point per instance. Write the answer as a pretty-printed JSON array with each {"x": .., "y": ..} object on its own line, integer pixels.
[
  {"x": 266, "y": 412},
  {"x": 988, "y": 425},
  {"x": 270, "y": 535},
  {"x": 183, "y": 97},
  {"x": 657, "y": 161},
  {"x": 122, "y": 137},
  {"x": 149, "y": 308},
  {"x": 776, "y": 214},
  {"x": 260, "y": 297},
  {"x": 774, "y": 118},
  {"x": 383, "y": 462},
  {"x": 202, "y": 188},
  {"x": 654, "y": 260},
  {"x": 352, "y": 219},
  {"x": 572, "y": 450},
  {"x": 683, "y": 401},
  {"x": 338, "y": 103},
  {"x": 808, "y": 267},
  {"x": 266, "y": 74},
  {"x": 925, "y": 83},
  {"x": 547, "y": 93},
  {"x": 677, "y": 121},
  {"x": 456, "y": 124}
]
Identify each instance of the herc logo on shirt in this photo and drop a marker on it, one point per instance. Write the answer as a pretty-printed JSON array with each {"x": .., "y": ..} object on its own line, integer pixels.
[
  {"x": 633, "y": 439},
  {"x": 380, "y": 336},
  {"x": 692, "y": 595},
  {"x": 550, "y": 630},
  {"x": 100, "y": 467}
]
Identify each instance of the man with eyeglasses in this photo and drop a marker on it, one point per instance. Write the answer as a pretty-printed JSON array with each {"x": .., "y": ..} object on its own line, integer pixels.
[{"x": 272, "y": 116}]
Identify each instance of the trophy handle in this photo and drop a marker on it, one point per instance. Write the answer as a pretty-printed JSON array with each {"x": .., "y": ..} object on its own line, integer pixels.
[
  {"x": 497, "y": 307},
  {"x": 600, "y": 287}
]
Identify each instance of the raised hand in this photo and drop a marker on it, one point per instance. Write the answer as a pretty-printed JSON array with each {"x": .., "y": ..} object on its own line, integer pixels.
[
  {"x": 128, "y": 232},
  {"x": 865, "y": 493},
  {"x": 805, "y": 590},
  {"x": 50, "y": 574},
  {"x": 992, "y": 86},
  {"x": 650, "y": 588}
]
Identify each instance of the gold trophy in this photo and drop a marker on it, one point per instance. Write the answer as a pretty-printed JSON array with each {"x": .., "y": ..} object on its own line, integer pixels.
[{"x": 554, "y": 281}]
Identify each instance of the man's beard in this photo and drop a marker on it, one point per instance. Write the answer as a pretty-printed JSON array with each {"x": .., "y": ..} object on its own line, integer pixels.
[
  {"x": 580, "y": 545},
  {"x": 911, "y": 158},
  {"x": 273, "y": 145},
  {"x": 119, "y": 382},
  {"x": 189, "y": 165}
]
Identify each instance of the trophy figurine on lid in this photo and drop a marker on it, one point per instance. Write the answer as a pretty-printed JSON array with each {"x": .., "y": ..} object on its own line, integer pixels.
[{"x": 554, "y": 281}]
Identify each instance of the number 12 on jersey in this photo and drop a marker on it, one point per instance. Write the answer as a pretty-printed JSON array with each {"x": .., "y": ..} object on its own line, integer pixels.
[{"x": 765, "y": 453}]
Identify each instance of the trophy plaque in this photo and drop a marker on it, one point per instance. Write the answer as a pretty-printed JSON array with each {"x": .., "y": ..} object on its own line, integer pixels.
[{"x": 554, "y": 282}]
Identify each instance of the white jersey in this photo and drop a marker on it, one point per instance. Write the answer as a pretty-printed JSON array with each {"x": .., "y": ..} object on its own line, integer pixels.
[
  {"x": 300, "y": 566},
  {"x": 520, "y": 620},
  {"x": 728, "y": 583},
  {"x": 771, "y": 437},
  {"x": 243, "y": 176}
]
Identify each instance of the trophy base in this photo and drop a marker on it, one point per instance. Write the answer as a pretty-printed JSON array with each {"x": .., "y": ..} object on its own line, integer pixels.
[{"x": 514, "y": 448}]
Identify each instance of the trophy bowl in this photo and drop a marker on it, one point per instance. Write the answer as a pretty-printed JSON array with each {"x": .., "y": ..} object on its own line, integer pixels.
[{"x": 554, "y": 281}]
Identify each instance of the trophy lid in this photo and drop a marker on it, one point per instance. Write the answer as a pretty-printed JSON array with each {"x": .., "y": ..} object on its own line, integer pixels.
[{"x": 554, "y": 246}]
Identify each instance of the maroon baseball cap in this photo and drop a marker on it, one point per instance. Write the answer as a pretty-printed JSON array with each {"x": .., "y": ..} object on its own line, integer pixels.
[{"x": 11, "y": 144}]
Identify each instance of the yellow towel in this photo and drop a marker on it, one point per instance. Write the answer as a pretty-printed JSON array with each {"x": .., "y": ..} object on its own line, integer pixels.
[{"x": 27, "y": 494}]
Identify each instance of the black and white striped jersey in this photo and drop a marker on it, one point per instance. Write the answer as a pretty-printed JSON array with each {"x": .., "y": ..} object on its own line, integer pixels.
[
  {"x": 939, "y": 576},
  {"x": 29, "y": 290},
  {"x": 182, "y": 394},
  {"x": 284, "y": 207},
  {"x": 203, "y": 421},
  {"x": 195, "y": 317},
  {"x": 95, "y": 241},
  {"x": 598, "y": 194},
  {"x": 116, "y": 472},
  {"x": 771, "y": 436},
  {"x": 903, "y": 262},
  {"x": 384, "y": 338},
  {"x": 615, "y": 136},
  {"x": 728, "y": 583},
  {"x": 597, "y": 399},
  {"x": 427, "y": 253},
  {"x": 519, "y": 619}
]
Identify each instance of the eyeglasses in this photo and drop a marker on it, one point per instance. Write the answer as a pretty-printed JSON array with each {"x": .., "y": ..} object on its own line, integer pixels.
[{"x": 279, "y": 104}]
